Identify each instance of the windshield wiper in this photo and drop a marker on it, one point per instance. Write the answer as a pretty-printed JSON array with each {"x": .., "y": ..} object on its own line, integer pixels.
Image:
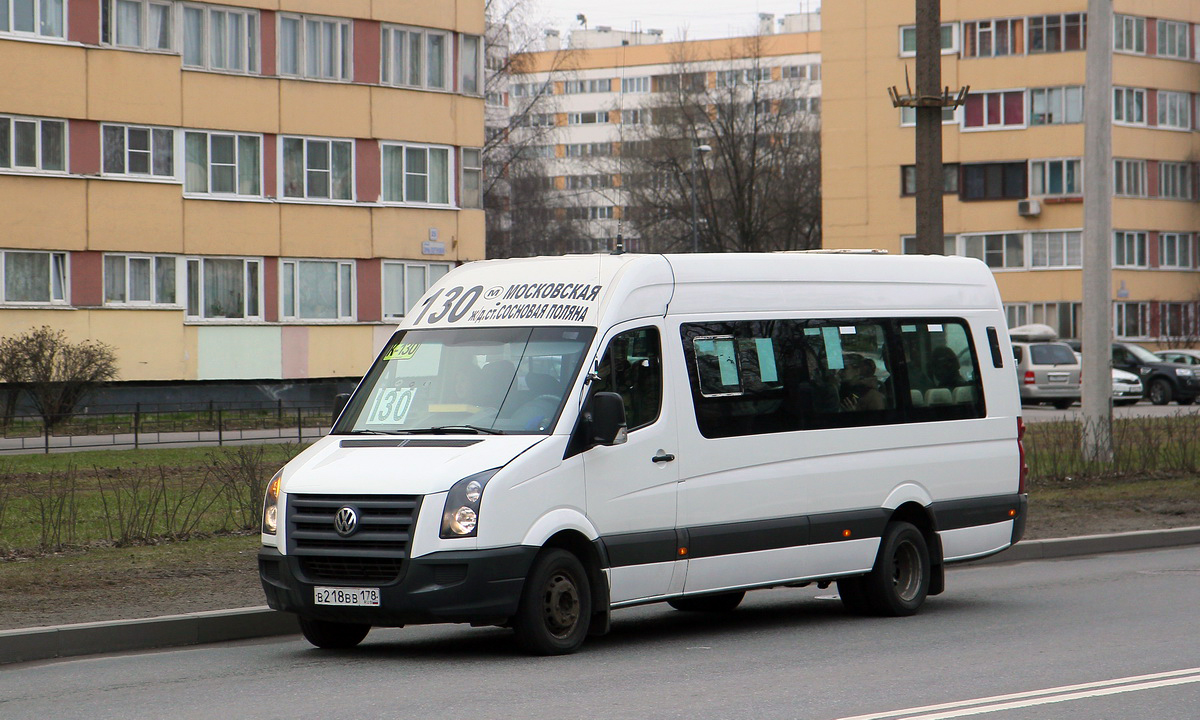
[
  {"x": 370, "y": 432},
  {"x": 453, "y": 429}
]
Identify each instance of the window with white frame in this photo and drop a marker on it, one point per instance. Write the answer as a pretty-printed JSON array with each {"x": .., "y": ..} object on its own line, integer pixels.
[
  {"x": 636, "y": 116},
  {"x": 416, "y": 174},
  {"x": 1175, "y": 251},
  {"x": 1175, "y": 180},
  {"x": 1129, "y": 249},
  {"x": 405, "y": 282},
  {"x": 1063, "y": 317},
  {"x": 222, "y": 163},
  {"x": 811, "y": 71},
  {"x": 635, "y": 85},
  {"x": 138, "y": 151},
  {"x": 415, "y": 57},
  {"x": 992, "y": 38},
  {"x": 1055, "y": 177},
  {"x": 32, "y": 144},
  {"x": 471, "y": 169},
  {"x": 315, "y": 47},
  {"x": 587, "y": 118},
  {"x": 221, "y": 288},
  {"x": 579, "y": 87},
  {"x": 471, "y": 64},
  {"x": 140, "y": 279},
  {"x": 39, "y": 18},
  {"x": 1057, "y": 33},
  {"x": 318, "y": 169},
  {"x": 220, "y": 38},
  {"x": 908, "y": 39},
  {"x": 1174, "y": 110},
  {"x": 996, "y": 250},
  {"x": 1173, "y": 40},
  {"x": 1129, "y": 178},
  {"x": 587, "y": 149},
  {"x": 34, "y": 277},
  {"x": 316, "y": 289},
  {"x": 1129, "y": 105},
  {"x": 908, "y": 116},
  {"x": 1016, "y": 314},
  {"x": 1129, "y": 34},
  {"x": 995, "y": 110},
  {"x": 1058, "y": 249},
  {"x": 1131, "y": 319},
  {"x": 1177, "y": 320},
  {"x": 908, "y": 179},
  {"x": 143, "y": 24},
  {"x": 1056, "y": 105},
  {"x": 908, "y": 245}
]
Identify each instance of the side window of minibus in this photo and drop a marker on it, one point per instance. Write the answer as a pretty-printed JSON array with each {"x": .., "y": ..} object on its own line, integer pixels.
[
  {"x": 632, "y": 367},
  {"x": 942, "y": 370}
]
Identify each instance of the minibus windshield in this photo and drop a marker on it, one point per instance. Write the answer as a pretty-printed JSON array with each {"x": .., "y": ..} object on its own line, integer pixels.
[{"x": 470, "y": 380}]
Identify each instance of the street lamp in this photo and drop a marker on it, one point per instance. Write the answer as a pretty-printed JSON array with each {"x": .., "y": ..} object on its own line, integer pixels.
[{"x": 696, "y": 150}]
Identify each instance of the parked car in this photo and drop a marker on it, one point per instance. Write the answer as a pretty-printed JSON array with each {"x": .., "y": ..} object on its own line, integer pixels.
[
  {"x": 1127, "y": 387},
  {"x": 1047, "y": 372},
  {"x": 1180, "y": 355},
  {"x": 1163, "y": 381}
]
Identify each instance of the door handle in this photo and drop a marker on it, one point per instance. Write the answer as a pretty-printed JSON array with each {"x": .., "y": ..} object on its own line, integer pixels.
[{"x": 662, "y": 457}]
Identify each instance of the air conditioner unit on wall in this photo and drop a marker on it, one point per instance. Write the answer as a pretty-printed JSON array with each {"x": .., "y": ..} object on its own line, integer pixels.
[{"x": 1029, "y": 208}]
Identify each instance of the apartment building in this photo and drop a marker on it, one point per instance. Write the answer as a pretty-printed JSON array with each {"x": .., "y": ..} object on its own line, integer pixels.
[
  {"x": 249, "y": 190},
  {"x": 1014, "y": 151},
  {"x": 593, "y": 99}
]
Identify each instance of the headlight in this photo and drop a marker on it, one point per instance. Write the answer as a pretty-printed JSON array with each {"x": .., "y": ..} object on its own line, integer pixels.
[
  {"x": 460, "y": 517},
  {"x": 1183, "y": 372},
  {"x": 270, "y": 519}
]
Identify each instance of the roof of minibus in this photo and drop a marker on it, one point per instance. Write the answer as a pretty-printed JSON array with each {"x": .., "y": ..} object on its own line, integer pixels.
[{"x": 604, "y": 289}]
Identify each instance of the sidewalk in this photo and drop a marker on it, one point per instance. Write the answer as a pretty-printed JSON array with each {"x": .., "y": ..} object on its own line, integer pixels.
[{"x": 43, "y": 643}]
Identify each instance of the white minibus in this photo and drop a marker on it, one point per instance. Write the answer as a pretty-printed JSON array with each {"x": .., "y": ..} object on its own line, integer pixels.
[{"x": 545, "y": 440}]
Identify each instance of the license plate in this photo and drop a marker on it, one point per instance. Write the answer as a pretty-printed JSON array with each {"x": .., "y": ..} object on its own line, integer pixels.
[
  {"x": 355, "y": 597},
  {"x": 1058, "y": 378}
]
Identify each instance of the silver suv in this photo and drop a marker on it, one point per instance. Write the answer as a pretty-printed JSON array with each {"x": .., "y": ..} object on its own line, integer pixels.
[{"x": 1047, "y": 372}]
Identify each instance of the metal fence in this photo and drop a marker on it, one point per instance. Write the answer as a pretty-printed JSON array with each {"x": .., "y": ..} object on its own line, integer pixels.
[{"x": 143, "y": 424}]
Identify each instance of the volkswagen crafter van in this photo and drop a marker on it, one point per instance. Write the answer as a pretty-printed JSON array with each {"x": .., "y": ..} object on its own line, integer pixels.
[{"x": 545, "y": 440}]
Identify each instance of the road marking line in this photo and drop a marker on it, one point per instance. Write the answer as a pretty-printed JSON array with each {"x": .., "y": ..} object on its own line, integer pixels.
[{"x": 979, "y": 706}]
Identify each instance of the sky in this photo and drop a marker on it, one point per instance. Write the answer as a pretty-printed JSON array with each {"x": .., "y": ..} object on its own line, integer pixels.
[{"x": 699, "y": 18}]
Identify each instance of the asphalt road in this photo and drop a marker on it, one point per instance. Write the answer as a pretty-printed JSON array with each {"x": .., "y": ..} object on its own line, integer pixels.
[
  {"x": 1111, "y": 636},
  {"x": 1035, "y": 413}
]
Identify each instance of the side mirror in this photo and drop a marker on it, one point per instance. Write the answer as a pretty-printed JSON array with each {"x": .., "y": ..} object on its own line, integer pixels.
[
  {"x": 607, "y": 424},
  {"x": 339, "y": 404}
]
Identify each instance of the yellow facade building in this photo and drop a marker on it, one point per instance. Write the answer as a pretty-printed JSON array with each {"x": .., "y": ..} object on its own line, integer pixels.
[
  {"x": 1013, "y": 152},
  {"x": 250, "y": 190}
]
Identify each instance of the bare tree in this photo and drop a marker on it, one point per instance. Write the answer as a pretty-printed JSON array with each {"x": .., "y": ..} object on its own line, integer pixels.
[
  {"x": 520, "y": 125},
  {"x": 740, "y": 145},
  {"x": 56, "y": 373}
]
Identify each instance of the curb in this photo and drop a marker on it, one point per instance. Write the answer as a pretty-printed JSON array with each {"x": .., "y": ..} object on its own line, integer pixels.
[{"x": 60, "y": 641}]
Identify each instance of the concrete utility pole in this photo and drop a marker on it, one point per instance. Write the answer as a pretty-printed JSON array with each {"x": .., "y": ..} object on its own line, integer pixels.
[
  {"x": 928, "y": 102},
  {"x": 1097, "y": 236}
]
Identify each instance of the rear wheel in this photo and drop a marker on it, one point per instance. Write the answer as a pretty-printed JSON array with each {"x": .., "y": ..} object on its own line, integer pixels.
[
  {"x": 556, "y": 605},
  {"x": 899, "y": 582},
  {"x": 718, "y": 603},
  {"x": 1063, "y": 404},
  {"x": 333, "y": 635},
  {"x": 1160, "y": 392}
]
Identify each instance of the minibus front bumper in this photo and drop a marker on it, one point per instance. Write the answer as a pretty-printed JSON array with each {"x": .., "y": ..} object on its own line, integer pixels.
[{"x": 481, "y": 587}]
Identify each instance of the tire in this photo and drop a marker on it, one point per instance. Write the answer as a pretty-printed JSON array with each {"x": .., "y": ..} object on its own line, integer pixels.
[
  {"x": 899, "y": 582},
  {"x": 556, "y": 605},
  {"x": 333, "y": 635},
  {"x": 718, "y": 603},
  {"x": 1063, "y": 404},
  {"x": 1160, "y": 392}
]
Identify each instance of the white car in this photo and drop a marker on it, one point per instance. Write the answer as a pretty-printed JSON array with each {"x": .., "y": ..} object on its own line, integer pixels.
[
  {"x": 1127, "y": 387},
  {"x": 1185, "y": 356}
]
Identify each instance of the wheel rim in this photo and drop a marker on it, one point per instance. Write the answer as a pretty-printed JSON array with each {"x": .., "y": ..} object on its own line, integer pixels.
[
  {"x": 1158, "y": 393},
  {"x": 561, "y": 604},
  {"x": 906, "y": 571}
]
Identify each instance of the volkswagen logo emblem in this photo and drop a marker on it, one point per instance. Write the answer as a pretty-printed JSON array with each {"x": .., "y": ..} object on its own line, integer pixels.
[{"x": 345, "y": 521}]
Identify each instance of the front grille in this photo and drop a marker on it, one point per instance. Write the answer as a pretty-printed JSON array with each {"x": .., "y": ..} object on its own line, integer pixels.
[{"x": 374, "y": 552}]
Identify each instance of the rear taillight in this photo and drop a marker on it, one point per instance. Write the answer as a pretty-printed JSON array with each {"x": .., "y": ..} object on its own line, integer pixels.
[
  {"x": 1023, "y": 474},
  {"x": 1029, "y": 378}
]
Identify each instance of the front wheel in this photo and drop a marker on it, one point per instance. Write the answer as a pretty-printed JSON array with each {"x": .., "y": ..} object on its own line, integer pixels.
[
  {"x": 1160, "y": 392},
  {"x": 899, "y": 582},
  {"x": 333, "y": 635},
  {"x": 556, "y": 605}
]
